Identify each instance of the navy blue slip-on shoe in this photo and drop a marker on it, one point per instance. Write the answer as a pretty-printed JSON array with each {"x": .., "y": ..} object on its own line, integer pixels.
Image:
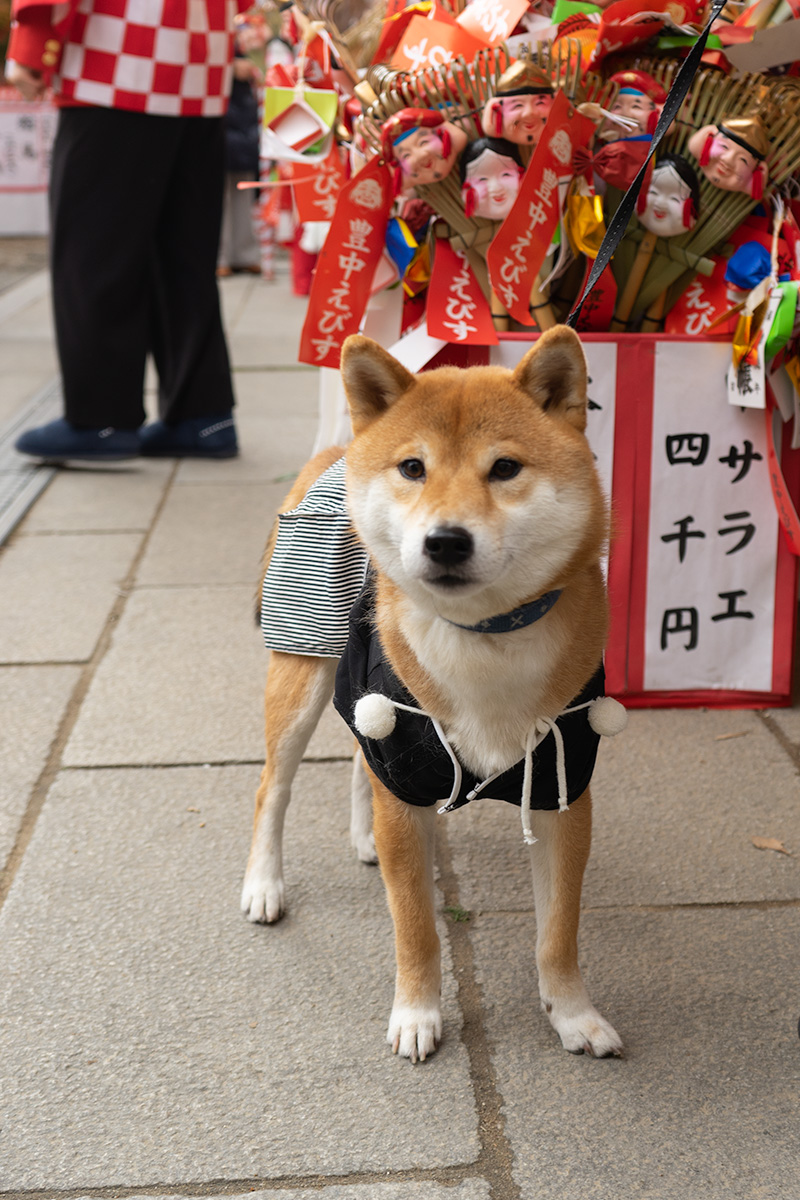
[
  {"x": 62, "y": 442},
  {"x": 196, "y": 437}
]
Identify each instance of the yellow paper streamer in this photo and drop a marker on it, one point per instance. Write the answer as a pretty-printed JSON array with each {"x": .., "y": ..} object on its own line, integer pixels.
[{"x": 583, "y": 217}]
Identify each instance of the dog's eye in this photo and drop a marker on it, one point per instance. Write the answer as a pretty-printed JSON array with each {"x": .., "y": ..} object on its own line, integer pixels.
[
  {"x": 505, "y": 468},
  {"x": 412, "y": 468}
]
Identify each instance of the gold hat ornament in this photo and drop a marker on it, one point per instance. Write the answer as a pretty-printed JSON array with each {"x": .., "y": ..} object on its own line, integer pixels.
[{"x": 523, "y": 76}]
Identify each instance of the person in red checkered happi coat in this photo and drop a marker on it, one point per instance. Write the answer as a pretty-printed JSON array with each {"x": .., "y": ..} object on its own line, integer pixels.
[{"x": 136, "y": 201}]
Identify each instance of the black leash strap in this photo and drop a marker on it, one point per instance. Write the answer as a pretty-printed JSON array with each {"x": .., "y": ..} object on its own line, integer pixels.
[{"x": 619, "y": 222}]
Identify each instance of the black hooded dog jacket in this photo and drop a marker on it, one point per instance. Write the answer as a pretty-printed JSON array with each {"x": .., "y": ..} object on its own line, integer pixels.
[{"x": 412, "y": 762}]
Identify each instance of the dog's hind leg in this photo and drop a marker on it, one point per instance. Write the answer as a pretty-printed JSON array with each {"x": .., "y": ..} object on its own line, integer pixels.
[
  {"x": 558, "y": 860},
  {"x": 298, "y": 688},
  {"x": 404, "y": 837},
  {"x": 361, "y": 834}
]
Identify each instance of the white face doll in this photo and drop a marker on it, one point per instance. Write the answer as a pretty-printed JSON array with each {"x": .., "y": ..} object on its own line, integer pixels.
[
  {"x": 671, "y": 201},
  {"x": 491, "y": 172}
]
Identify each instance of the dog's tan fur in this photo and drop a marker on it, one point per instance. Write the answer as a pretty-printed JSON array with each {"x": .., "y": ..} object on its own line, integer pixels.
[{"x": 542, "y": 528}]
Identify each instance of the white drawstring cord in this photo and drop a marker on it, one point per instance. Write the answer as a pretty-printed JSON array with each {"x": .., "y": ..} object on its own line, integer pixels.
[
  {"x": 456, "y": 788},
  {"x": 527, "y": 784}
]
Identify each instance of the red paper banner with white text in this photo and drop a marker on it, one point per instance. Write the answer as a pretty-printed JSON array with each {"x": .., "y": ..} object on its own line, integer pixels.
[
  {"x": 457, "y": 310},
  {"x": 517, "y": 252},
  {"x": 428, "y": 43},
  {"x": 342, "y": 281},
  {"x": 492, "y": 21},
  {"x": 316, "y": 188}
]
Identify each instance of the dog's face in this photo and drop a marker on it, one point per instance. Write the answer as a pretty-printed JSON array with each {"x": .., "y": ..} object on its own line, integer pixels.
[{"x": 474, "y": 490}]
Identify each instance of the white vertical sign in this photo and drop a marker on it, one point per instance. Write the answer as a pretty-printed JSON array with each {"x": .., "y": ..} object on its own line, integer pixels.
[{"x": 712, "y": 544}]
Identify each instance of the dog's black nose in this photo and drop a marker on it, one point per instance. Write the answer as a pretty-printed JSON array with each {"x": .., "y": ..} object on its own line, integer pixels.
[{"x": 448, "y": 545}]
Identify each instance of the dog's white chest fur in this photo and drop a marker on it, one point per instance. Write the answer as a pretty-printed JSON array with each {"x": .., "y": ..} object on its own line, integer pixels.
[{"x": 493, "y": 686}]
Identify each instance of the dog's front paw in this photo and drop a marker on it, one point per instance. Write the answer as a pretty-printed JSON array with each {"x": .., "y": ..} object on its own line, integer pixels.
[
  {"x": 262, "y": 899},
  {"x": 414, "y": 1032},
  {"x": 585, "y": 1032}
]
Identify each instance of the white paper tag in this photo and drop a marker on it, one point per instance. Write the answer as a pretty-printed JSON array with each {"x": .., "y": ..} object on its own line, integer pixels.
[
  {"x": 746, "y": 387},
  {"x": 416, "y": 349}
]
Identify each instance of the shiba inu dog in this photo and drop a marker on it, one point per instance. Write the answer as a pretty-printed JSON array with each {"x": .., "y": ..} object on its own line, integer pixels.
[{"x": 473, "y": 665}]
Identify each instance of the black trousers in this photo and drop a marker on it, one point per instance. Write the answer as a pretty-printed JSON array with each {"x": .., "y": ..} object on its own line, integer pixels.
[{"x": 135, "y": 210}]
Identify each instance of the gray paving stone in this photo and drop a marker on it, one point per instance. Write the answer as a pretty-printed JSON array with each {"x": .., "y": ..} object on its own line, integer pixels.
[
  {"x": 28, "y": 313},
  {"x": 89, "y": 501},
  {"x": 27, "y": 349},
  {"x": 182, "y": 682},
  {"x": 22, "y": 271},
  {"x": 276, "y": 423},
  {"x": 32, "y": 703},
  {"x": 153, "y": 1036},
  {"x": 24, "y": 379},
  {"x": 472, "y": 1189},
  {"x": 676, "y": 803},
  {"x": 211, "y": 533},
  {"x": 197, "y": 655},
  {"x": 261, "y": 342},
  {"x": 56, "y": 592},
  {"x": 705, "y": 1102},
  {"x": 290, "y": 391}
]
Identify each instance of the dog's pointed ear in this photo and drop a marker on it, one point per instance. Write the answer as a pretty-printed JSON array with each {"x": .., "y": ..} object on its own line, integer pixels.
[
  {"x": 553, "y": 373},
  {"x": 372, "y": 379}
]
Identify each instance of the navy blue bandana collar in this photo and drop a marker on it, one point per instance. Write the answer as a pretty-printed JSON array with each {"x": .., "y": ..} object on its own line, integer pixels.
[{"x": 518, "y": 618}]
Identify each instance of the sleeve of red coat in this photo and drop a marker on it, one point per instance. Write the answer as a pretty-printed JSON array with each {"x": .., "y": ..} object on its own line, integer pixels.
[{"x": 37, "y": 33}]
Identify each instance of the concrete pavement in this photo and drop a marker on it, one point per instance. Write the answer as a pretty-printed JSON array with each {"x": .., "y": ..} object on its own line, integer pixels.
[{"x": 154, "y": 1043}]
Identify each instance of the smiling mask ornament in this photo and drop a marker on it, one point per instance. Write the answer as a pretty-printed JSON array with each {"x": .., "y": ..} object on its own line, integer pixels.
[
  {"x": 519, "y": 110},
  {"x": 640, "y": 99},
  {"x": 731, "y": 154},
  {"x": 670, "y": 205},
  {"x": 666, "y": 209},
  {"x": 422, "y": 144},
  {"x": 491, "y": 170}
]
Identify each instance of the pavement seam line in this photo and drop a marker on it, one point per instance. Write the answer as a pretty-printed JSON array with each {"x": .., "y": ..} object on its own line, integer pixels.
[
  {"x": 52, "y": 767},
  {"x": 184, "y": 766},
  {"x": 445, "y": 1177},
  {"x": 495, "y": 1157},
  {"x": 789, "y": 748}
]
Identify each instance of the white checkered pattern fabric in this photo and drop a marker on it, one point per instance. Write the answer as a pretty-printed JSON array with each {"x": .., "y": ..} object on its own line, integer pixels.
[{"x": 165, "y": 57}]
